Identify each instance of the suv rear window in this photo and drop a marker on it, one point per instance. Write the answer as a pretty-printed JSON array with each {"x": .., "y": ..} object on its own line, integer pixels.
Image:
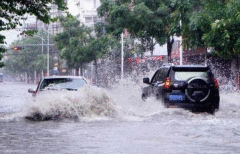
[{"x": 181, "y": 76}]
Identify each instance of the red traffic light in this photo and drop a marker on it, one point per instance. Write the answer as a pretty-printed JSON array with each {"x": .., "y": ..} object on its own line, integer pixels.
[{"x": 15, "y": 48}]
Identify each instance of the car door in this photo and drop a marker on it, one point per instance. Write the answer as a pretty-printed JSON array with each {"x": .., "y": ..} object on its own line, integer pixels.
[
  {"x": 148, "y": 91},
  {"x": 159, "y": 84}
]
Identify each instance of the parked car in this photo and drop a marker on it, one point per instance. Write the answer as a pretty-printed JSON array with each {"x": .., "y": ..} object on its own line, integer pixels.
[
  {"x": 183, "y": 86},
  {"x": 56, "y": 83}
]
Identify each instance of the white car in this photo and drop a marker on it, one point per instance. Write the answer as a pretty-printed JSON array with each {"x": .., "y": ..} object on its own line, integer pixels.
[{"x": 71, "y": 83}]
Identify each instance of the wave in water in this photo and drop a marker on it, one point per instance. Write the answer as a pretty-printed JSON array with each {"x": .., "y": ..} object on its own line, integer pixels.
[
  {"x": 87, "y": 102},
  {"x": 122, "y": 102}
]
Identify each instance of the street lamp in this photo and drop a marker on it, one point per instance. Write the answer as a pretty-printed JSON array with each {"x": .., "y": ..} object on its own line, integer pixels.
[
  {"x": 42, "y": 46},
  {"x": 42, "y": 41},
  {"x": 48, "y": 52},
  {"x": 180, "y": 50},
  {"x": 122, "y": 54}
]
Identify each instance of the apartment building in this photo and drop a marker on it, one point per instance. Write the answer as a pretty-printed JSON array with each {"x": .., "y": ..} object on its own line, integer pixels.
[
  {"x": 87, "y": 11},
  {"x": 33, "y": 24}
]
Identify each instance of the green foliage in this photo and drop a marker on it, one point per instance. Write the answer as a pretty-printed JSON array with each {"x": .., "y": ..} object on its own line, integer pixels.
[
  {"x": 150, "y": 21},
  {"x": 30, "y": 58},
  {"x": 29, "y": 32},
  {"x": 78, "y": 45},
  {"x": 72, "y": 41},
  {"x": 216, "y": 25},
  {"x": 204, "y": 23},
  {"x": 12, "y": 13}
]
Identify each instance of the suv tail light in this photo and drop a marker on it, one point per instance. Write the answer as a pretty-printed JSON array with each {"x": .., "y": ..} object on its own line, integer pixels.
[
  {"x": 167, "y": 84},
  {"x": 215, "y": 82}
]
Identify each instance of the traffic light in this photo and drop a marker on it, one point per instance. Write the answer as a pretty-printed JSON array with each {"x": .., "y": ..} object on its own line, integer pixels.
[{"x": 15, "y": 48}]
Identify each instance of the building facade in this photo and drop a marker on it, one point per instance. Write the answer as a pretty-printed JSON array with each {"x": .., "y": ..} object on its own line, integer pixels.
[
  {"x": 33, "y": 24},
  {"x": 87, "y": 12}
]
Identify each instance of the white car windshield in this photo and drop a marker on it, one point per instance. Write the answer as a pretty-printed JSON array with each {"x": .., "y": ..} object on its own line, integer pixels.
[{"x": 62, "y": 83}]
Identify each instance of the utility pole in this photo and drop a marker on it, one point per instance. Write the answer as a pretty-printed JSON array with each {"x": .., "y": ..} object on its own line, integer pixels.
[
  {"x": 122, "y": 54},
  {"x": 48, "y": 54},
  {"x": 180, "y": 45},
  {"x": 42, "y": 48}
]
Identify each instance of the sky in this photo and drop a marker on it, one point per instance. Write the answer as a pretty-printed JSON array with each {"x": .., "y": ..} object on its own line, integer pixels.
[
  {"x": 13, "y": 34},
  {"x": 72, "y": 8}
]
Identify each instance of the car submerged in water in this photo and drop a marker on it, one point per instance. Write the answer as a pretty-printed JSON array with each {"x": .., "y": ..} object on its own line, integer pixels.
[
  {"x": 58, "y": 83},
  {"x": 185, "y": 86}
]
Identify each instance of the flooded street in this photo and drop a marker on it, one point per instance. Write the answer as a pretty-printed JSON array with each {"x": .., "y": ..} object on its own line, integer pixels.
[{"x": 95, "y": 120}]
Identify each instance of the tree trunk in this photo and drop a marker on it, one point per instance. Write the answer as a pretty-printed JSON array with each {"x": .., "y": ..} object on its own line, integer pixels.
[
  {"x": 77, "y": 72},
  {"x": 81, "y": 70},
  {"x": 151, "y": 47},
  {"x": 237, "y": 76},
  {"x": 169, "y": 48},
  {"x": 26, "y": 77},
  {"x": 96, "y": 72}
]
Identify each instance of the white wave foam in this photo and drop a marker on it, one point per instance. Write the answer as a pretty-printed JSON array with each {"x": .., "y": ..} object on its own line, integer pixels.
[
  {"x": 127, "y": 95},
  {"x": 122, "y": 102},
  {"x": 87, "y": 102}
]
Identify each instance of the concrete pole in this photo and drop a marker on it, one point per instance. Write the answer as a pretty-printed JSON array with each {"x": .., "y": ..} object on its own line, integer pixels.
[
  {"x": 42, "y": 54},
  {"x": 42, "y": 46},
  {"x": 180, "y": 50},
  {"x": 48, "y": 54},
  {"x": 26, "y": 77},
  {"x": 35, "y": 77},
  {"x": 122, "y": 54}
]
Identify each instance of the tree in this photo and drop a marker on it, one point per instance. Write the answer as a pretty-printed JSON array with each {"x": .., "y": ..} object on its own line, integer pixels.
[
  {"x": 216, "y": 26},
  {"x": 223, "y": 34},
  {"x": 78, "y": 44},
  {"x": 12, "y": 14},
  {"x": 136, "y": 17},
  {"x": 73, "y": 41},
  {"x": 150, "y": 21},
  {"x": 30, "y": 58}
]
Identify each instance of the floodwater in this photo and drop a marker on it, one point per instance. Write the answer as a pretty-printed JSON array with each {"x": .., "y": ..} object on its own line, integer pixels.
[{"x": 95, "y": 120}]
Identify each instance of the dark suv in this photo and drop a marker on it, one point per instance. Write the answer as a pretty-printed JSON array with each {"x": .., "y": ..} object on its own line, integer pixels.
[{"x": 183, "y": 86}]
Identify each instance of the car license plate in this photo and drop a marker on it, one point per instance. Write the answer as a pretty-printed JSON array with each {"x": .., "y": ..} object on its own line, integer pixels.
[{"x": 176, "y": 97}]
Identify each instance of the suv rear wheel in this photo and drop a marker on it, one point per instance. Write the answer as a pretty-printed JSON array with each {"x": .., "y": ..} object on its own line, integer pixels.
[{"x": 197, "y": 90}]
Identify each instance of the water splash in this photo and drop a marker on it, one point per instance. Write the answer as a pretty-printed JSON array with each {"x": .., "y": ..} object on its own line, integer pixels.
[
  {"x": 127, "y": 95},
  {"x": 87, "y": 102},
  {"x": 123, "y": 101}
]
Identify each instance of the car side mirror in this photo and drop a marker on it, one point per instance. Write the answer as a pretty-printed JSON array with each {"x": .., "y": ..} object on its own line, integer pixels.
[
  {"x": 146, "y": 80},
  {"x": 31, "y": 90}
]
